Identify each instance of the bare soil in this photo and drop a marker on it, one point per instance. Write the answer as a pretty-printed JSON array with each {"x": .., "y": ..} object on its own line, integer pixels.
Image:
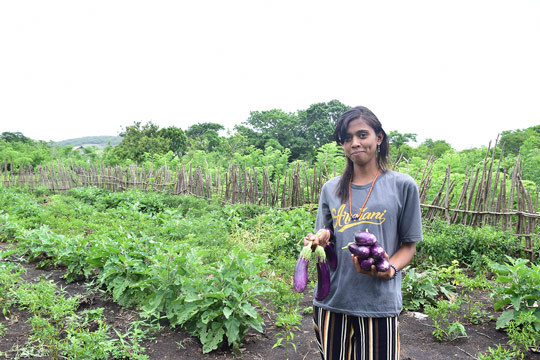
[{"x": 417, "y": 343}]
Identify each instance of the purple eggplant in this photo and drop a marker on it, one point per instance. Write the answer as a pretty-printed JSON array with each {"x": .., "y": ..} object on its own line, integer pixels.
[
  {"x": 301, "y": 269},
  {"x": 365, "y": 238},
  {"x": 366, "y": 264},
  {"x": 377, "y": 252},
  {"x": 361, "y": 252},
  {"x": 331, "y": 256},
  {"x": 323, "y": 283},
  {"x": 323, "y": 274},
  {"x": 301, "y": 274},
  {"x": 382, "y": 265}
]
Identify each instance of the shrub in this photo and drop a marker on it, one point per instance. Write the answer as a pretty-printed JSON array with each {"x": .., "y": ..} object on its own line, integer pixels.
[{"x": 471, "y": 247}]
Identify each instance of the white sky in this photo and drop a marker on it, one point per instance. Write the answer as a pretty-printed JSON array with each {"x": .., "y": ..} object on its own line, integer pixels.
[{"x": 460, "y": 71}]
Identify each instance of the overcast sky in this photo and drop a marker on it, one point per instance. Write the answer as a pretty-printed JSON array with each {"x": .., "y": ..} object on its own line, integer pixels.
[{"x": 460, "y": 71}]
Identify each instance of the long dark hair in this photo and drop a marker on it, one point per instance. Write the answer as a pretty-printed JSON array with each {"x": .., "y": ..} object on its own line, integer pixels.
[{"x": 359, "y": 112}]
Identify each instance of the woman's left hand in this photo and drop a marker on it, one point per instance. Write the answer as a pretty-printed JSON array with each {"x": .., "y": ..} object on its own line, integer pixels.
[{"x": 387, "y": 275}]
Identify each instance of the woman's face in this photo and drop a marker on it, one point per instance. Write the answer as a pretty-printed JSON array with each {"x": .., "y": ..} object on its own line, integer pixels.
[{"x": 360, "y": 143}]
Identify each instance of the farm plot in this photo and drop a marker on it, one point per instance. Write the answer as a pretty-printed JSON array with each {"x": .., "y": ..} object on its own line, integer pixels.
[{"x": 151, "y": 276}]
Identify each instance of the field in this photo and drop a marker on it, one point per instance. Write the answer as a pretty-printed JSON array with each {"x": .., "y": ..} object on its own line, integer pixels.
[
  {"x": 102, "y": 275},
  {"x": 416, "y": 339}
]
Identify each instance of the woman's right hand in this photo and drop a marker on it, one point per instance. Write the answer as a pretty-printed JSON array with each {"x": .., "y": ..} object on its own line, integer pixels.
[{"x": 321, "y": 240}]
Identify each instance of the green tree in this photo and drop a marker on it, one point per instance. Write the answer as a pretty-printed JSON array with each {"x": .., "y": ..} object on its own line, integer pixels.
[
  {"x": 139, "y": 140},
  {"x": 15, "y": 137},
  {"x": 435, "y": 147},
  {"x": 250, "y": 136},
  {"x": 286, "y": 128},
  {"x": 274, "y": 144},
  {"x": 399, "y": 143},
  {"x": 204, "y": 136},
  {"x": 514, "y": 139},
  {"x": 404, "y": 151},
  {"x": 17, "y": 150},
  {"x": 233, "y": 143},
  {"x": 531, "y": 159},
  {"x": 177, "y": 139},
  {"x": 398, "y": 139},
  {"x": 302, "y": 132},
  {"x": 90, "y": 152},
  {"x": 320, "y": 121},
  {"x": 200, "y": 129}
]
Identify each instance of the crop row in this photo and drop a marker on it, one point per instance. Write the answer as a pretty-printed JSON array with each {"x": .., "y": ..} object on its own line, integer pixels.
[{"x": 200, "y": 265}]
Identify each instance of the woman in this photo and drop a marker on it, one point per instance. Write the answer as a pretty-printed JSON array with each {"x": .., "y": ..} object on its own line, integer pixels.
[{"x": 359, "y": 318}]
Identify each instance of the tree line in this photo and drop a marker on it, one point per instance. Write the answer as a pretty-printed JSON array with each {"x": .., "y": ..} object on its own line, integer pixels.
[{"x": 272, "y": 138}]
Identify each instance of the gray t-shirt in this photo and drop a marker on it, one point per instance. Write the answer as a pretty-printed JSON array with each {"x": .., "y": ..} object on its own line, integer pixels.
[{"x": 393, "y": 215}]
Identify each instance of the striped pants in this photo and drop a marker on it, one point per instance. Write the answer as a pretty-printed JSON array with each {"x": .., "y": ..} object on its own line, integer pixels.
[{"x": 346, "y": 337}]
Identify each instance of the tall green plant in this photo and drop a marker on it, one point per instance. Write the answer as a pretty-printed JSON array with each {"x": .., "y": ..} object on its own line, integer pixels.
[
  {"x": 218, "y": 304},
  {"x": 473, "y": 247},
  {"x": 520, "y": 290}
]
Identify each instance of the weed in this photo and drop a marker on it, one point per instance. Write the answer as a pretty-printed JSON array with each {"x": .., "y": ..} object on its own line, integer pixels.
[
  {"x": 442, "y": 315},
  {"x": 497, "y": 353},
  {"x": 522, "y": 333},
  {"x": 289, "y": 321}
]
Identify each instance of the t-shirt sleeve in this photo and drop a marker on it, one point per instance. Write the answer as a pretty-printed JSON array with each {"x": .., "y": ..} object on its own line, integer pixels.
[
  {"x": 410, "y": 221},
  {"x": 324, "y": 216}
]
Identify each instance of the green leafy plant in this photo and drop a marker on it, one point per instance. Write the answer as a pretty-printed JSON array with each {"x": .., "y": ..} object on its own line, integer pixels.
[
  {"x": 129, "y": 344},
  {"x": 41, "y": 245},
  {"x": 217, "y": 303},
  {"x": 151, "y": 270},
  {"x": 283, "y": 229},
  {"x": 520, "y": 290},
  {"x": 125, "y": 270},
  {"x": 171, "y": 262},
  {"x": 474, "y": 247},
  {"x": 498, "y": 353},
  {"x": 289, "y": 321},
  {"x": 473, "y": 311},
  {"x": 59, "y": 332},
  {"x": 422, "y": 288},
  {"x": 10, "y": 277},
  {"x": 446, "y": 320},
  {"x": 523, "y": 334},
  {"x": 471, "y": 288},
  {"x": 8, "y": 228},
  {"x": 49, "y": 310}
]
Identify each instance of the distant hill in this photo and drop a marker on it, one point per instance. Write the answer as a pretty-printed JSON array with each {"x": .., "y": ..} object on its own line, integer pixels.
[{"x": 97, "y": 141}]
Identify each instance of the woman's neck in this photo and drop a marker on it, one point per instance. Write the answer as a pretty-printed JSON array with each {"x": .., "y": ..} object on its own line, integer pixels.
[{"x": 363, "y": 175}]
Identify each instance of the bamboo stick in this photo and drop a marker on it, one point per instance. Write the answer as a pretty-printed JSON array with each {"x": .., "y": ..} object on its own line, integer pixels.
[
  {"x": 462, "y": 196},
  {"x": 446, "y": 213}
]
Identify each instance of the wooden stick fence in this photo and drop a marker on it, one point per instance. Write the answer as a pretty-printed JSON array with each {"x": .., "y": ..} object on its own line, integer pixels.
[
  {"x": 485, "y": 197},
  {"x": 483, "y": 200}
]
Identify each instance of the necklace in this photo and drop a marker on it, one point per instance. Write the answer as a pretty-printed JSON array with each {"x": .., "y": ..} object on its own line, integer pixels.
[{"x": 356, "y": 217}]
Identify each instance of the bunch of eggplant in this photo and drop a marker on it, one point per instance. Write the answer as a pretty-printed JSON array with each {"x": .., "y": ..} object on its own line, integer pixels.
[
  {"x": 368, "y": 251},
  {"x": 326, "y": 260}
]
